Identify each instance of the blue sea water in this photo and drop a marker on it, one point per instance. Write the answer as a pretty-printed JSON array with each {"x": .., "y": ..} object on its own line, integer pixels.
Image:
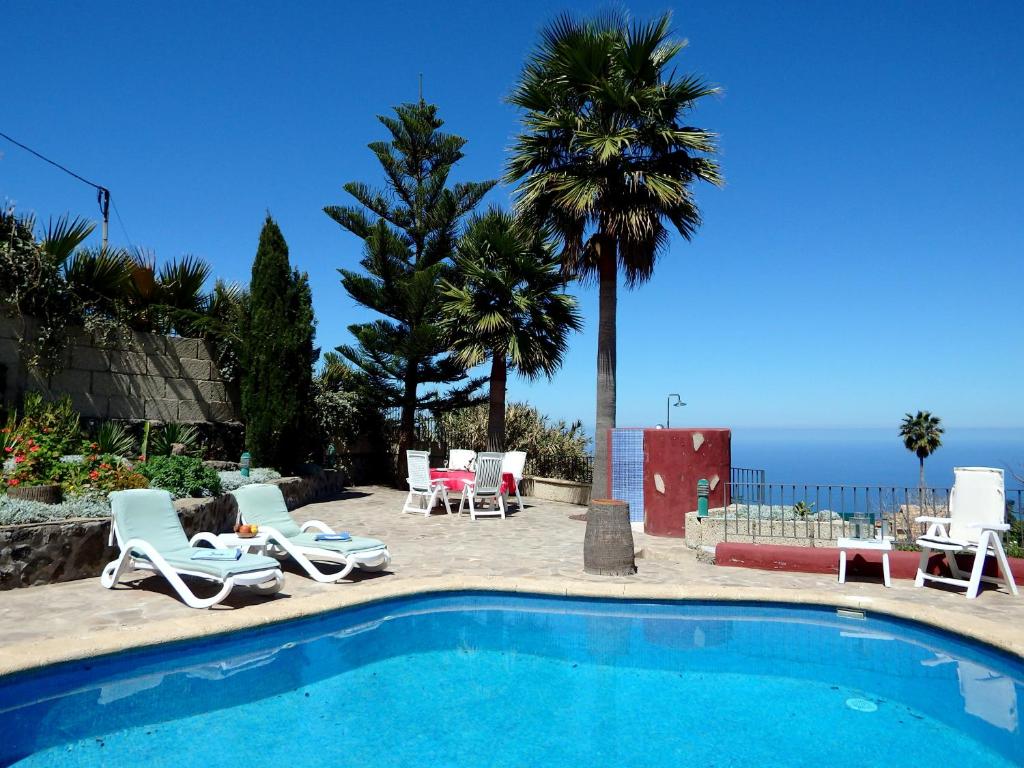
[
  {"x": 872, "y": 456},
  {"x": 477, "y": 679}
]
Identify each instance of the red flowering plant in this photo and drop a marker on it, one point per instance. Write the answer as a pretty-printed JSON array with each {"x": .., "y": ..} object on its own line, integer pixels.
[
  {"x": 34, "y": 444},
  {"x": 101, "y": 473}
]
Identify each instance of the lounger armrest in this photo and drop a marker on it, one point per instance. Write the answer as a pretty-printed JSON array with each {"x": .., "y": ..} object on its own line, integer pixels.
[
  {"x": 151, "y": 553},
  {"x": 467, "y": 484},
  {"x": 928, "y": 519},
  {"x": 209, "y": 538},
  {"x": 318, "y": 525},
  {"x": 990, "y": 526}
]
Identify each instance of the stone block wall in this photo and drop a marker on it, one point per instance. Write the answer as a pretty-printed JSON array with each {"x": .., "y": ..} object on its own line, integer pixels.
[{"x": 140, "y": 376}]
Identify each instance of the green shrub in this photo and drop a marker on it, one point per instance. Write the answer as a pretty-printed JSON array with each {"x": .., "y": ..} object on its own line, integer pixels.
[
  {"x": 20, "y": 511},
  {"x": 553, "y": 448},
  {"x": 233, "y": 479},
  {"x": 162, "y": 441},
  {"x": 181, "y": 475},
  {"x": 114, "y": 439}
]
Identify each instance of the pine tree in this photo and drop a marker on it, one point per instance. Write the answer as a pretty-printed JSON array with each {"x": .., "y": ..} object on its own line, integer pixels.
[
  {"x": 409, "y": 231},
  {"x": 278, "y": 357}
]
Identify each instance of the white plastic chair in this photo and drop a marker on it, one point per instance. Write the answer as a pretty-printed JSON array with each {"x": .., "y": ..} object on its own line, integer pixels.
[
  {"x": 977, "y": 510},
  {"x": 459, "y": 458},
  {"x": 485, "y": 486},
  {"x": 513, "y": 463},
  {"x": 422, "y": 487}
]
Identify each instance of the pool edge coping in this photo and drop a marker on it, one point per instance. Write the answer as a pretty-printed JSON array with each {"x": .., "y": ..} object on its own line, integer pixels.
[{"x": 22, "y": 657}]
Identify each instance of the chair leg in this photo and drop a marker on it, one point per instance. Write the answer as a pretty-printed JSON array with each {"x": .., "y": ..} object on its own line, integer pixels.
[
  {"x": 842, "y": 566},
  {"x": 519, "y": 499},
  {"x": 408, "y": 502},
  {"x": 430, "y": 503},
  {"x": 885, "y": 569},
  {"x": 979, "y": 565},
  {"x": 922, "y": 566},
  {"x": 1004, "y": 566},
  {"x": 444, "y": 497},
  {"x": 502, "y": 504},
  {"x": 472, "y": 508}
]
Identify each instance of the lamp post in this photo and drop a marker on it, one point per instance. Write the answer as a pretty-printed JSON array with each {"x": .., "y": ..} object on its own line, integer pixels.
[{"x": 668, "y": 408}]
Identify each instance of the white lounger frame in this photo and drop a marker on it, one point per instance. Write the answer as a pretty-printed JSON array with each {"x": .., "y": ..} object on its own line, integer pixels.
[
  {"x": 156, "y": 563},
  {"x": 279, "y": 545}
]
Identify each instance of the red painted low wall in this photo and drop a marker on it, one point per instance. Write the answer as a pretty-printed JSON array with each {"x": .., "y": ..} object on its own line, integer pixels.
[{"x": 902, "y": 565}]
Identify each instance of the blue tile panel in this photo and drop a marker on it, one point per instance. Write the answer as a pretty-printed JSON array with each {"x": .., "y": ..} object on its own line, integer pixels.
[{"x": 628, "y": 470}]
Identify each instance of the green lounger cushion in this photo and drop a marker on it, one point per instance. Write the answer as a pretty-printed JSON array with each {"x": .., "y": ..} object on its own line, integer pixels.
[
  {"x": 264, "y": 505},
  {"x": 356, "y": 544},
  {"x": 148, "y": 514},
  {"x": 220, "y": 569}
]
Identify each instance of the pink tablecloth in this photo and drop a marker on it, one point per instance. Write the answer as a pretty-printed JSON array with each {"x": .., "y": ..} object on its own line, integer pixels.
[{"x": 454, "y": 479}]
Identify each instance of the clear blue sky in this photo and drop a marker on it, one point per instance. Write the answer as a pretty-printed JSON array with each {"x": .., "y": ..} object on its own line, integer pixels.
[{"x": 864, "y": 259}]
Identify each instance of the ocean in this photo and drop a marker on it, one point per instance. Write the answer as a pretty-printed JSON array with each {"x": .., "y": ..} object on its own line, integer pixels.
[{"x": 872, "y": 456}]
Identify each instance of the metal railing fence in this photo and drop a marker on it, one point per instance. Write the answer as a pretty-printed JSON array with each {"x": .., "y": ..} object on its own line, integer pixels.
[{"x": 822, "y": 513}]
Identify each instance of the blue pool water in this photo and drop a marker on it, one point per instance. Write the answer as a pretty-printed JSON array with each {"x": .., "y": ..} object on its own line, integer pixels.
[{"x": 478, "y": 679}]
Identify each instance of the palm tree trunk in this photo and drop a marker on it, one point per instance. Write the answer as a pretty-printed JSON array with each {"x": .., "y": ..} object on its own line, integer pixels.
[
  {"x": 496, "y": 412},
  {"x": 606, "y": 342},
  {"x": 920, "y": 500}
]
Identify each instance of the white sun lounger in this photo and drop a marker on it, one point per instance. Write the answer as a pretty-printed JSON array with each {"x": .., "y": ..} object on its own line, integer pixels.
[
  {"x": 150, "y": 537},
  {"x": 264, "y": 505},
  {"x": 977, "y": 510}
]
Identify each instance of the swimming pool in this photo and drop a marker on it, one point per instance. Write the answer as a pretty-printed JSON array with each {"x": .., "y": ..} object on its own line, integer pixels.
[{"x": 487, "y": 679}]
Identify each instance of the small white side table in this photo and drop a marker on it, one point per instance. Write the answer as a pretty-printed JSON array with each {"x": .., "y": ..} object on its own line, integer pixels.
[
  {"x": 865, "y": 545},
  {"x": 256, "y": 544}
]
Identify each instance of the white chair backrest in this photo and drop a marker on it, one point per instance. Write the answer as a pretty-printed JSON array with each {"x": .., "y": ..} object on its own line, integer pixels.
[
  {"x": 978, "y": 496},
  {"x": 488, "y": 473},
  {"x": 459, "y": 458},
  {"x": 419, "y": 470},
  {"x": 514, "y": 463}
]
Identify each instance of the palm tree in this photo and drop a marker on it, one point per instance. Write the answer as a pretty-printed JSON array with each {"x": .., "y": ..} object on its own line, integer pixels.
[
  {"x": 606, "y": 159},
  {"x": 922, "y": 434},
  {"x": 509, "y": 307}
]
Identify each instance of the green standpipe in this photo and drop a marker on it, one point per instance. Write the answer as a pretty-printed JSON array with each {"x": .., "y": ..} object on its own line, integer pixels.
[{"x": 703, "y": 489}]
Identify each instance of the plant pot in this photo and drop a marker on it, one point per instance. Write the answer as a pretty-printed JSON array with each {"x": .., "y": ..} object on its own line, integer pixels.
[
  {"x": 556, "y": 489},
  {"x": 44, "y": 494},
  {"x": 608, "y": 542}
]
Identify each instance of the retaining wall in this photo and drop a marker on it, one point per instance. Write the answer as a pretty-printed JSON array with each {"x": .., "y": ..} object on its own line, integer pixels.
[
  {"x": 45, "y": 553},
  {"x": 138, "y": 376}
]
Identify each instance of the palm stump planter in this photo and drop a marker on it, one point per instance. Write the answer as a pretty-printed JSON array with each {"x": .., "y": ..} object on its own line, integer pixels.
[
  {"x": 608, "y": 543},
  {"x": 44, "y": 494}
]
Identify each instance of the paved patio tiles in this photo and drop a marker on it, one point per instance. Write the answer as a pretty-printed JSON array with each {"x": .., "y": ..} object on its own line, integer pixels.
[{"x": 536, "y": 549}]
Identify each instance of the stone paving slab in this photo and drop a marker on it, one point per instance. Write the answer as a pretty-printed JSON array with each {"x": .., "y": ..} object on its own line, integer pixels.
[{"x": 538, "y": 549}]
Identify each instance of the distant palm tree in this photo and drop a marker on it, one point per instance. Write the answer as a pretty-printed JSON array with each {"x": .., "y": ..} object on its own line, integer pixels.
[
  {"x": 509, "y": 307},
  {"x": 922, "y": 435},
  {"x": 606, "y": 159}
]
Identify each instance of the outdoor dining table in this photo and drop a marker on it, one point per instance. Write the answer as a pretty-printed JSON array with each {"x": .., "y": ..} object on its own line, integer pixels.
[{"x": 454, "y": 479}]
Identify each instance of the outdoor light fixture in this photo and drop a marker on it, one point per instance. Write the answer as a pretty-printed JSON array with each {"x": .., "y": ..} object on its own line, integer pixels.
[{"x": 668, "y": 408}]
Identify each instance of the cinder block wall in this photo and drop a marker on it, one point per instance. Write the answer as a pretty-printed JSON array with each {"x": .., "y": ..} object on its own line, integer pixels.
[{"x": 142, "y": 376}]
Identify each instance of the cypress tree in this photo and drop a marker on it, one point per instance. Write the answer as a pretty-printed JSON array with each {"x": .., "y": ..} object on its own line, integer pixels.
[
  {"x": 409, "y": 230},
  {"x": 277, "y": 376}
]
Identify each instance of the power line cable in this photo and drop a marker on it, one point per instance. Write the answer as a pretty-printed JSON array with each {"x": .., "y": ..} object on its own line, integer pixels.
[
  {"x": 102, "y": 193},
  {"x": 121, "y": 222},
  {"x": 53, "y": 163}
]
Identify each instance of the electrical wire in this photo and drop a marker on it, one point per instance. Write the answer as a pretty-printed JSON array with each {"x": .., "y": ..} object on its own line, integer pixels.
[
  {"x": 121, "y": 222},
  {"x": 54, "y": 163}
]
